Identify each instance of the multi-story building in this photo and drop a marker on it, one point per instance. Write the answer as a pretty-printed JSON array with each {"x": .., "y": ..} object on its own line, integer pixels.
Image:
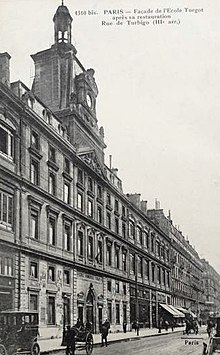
[
  {"x": 187, "y": 269},
  {"x": 72, "y": 244},
  {"x": 211, "y": 286}
]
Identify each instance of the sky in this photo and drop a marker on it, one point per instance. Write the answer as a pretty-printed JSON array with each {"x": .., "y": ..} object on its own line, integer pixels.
[{"x": 159, "y": 96}]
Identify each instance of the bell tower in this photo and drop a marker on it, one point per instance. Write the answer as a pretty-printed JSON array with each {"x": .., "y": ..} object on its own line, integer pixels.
[
  {"x": 54, "y": 69},
  {"x": 62, "y": 25}
]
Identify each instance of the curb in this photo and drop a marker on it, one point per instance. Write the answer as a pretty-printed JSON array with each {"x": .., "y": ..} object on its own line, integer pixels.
[{"x": 97, "y": 345}]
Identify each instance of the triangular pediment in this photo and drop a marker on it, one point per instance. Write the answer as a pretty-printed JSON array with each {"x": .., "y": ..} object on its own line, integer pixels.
[{"x": 89, "y": 156}]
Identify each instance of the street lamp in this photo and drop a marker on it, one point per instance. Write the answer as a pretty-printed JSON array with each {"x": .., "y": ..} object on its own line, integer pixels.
[{"x": 136, "y": 294}]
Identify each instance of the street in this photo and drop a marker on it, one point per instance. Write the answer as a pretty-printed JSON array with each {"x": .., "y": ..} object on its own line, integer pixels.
[{"x": 171, "y": 344}]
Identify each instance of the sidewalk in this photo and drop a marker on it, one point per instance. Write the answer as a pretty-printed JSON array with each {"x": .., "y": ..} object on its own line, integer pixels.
[{"x": 53, "y": 345}]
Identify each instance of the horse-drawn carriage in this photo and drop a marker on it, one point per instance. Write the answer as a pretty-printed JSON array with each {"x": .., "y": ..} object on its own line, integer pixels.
[
  {"x": 191, "y": 326},
  {"x": 77, "y": 337},
  {"x": 18, "y": 333}
]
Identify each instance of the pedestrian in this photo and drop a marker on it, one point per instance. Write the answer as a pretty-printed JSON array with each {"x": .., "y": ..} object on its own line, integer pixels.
[
  {"x": 166, "y": 325},
  {"x": 137, "y": 327},
  {"x": 104, "y": 332},
  {"x": 70, "y": 341},
  {"x": 160, "y": 325},
  {"x": 124, "y": 326}
]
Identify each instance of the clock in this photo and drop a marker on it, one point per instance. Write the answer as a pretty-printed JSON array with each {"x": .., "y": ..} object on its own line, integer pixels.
[{"x": 89, "y": 100}]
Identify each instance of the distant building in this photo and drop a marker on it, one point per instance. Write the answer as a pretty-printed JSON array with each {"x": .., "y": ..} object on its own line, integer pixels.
[
  {"x": 211, "y": 286},
  {"x": 187, "y": 268}
]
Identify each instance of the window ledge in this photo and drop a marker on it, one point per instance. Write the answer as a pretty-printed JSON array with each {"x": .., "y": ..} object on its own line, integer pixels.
[{"x": 34, "y": 151}]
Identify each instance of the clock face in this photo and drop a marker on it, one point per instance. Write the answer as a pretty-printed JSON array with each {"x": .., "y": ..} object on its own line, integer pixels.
[{"x": 89, "y": 100}]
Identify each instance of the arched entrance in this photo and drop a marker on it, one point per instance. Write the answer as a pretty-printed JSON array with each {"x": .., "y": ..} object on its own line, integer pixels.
[{"x": 90, "y": 308}]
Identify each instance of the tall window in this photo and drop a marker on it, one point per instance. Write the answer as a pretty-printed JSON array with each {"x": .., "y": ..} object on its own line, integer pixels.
[
  {"x": 51, "y": 310},
  {"x": 117, "y": 257},
  {"x": 108, "y": 220},
  {"x": 34, "y": 224},
  {"x": 124, "y": 261},
  {"x": 52, "y": 231},
  {"x": 52, "y": 183},
  {"x": 109, "y": 254},
  {"x": 139, "y": 234},
  {"x": 6, "y": 142},
  {"x": 123, "y": 230},
  {"x": 139, "y": 265},
  {"x": 66, "y": 166},
  {"x": 6, "y": 210},
  {"x": 34, "y": 172},
  {"x": 147, "y": 269},
  {"x": 116, "y": 206},
  {"x": 90, "y": 208},
  {"x": 90, "y": 247},
  {"x": 8, "y": 266},
  {"x": 99, "y": 192},
  {"x": 116, "y": 225},
  {"x": 99, "y": 214},
  {"x": 80, "y": 176},
  {"x": 108, "y": 199},
  {"x": 80, "y": 201},
  {"x": 66, "y": 277},
  {"x": 153, "y": 272},
  {"x": 33, "y": 270},
  {"x": 157, "y": 248},
  {"x": 90, "y": 184},
  {"x": 35, "y": 142},
  {"x": 51, "y": 273},
  {"x": 52, "y": 153},
  {"x": 132, "y": 263},
  {"x": 146, "y": 237},
  {"x": 132, "y": 229},
  {"x": 99, "y": 256},
  {"x": 66, "y": 192},
  {"x": 80, "y": 243},
  {"x": 67, "y": 236},
  {"x": 152, "y": 243},
  {"x": 159, "y": 274},
  {"x": 33, "y": 302}
]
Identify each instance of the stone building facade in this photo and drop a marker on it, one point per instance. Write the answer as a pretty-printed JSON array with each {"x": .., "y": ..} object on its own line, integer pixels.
[
  {"x": 211, "y": 286},
  {"x": 187, "y": 268},
  {"x": 72, "y": 244}
]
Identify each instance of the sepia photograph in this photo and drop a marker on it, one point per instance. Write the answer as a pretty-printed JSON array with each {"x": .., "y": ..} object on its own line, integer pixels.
[{"x": 109, "y": 177}]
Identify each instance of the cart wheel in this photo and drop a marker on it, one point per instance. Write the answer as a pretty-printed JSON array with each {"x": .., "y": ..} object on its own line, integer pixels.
[
  {"x": 2, "y": 350},
  {"x": 35, "y": 349},
  {"x": 89, "y": 344}
]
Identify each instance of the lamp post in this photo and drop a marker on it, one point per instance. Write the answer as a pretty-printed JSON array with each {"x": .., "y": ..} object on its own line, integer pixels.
[{"x": 136, "y": 294}]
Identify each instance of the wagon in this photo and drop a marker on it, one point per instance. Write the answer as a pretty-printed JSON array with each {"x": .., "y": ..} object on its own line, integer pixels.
[
  {"x": 18, "y": 333},
  {"x": 80, "y": 338}
]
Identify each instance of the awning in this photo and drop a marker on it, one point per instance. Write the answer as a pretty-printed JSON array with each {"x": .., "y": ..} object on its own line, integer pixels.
[
  {"x": 183, "y": 310},
  {"x": 193, "y": 314},
  {"x": 172, "y": 310}
]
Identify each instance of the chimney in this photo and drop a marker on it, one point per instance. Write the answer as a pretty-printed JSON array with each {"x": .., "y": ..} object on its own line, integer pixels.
[
  {"x": 157, "y": 204},
  {"x": 110, "y": 162},
  {"x": 5, "y": 68},
  {"x": 115, "y": 171},
  {"x": 135, "y": 199},
  {"x": 144, "y": 206}
]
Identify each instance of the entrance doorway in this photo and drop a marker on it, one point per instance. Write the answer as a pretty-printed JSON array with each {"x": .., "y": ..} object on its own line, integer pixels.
[
  {"x": 100, "y": 318},
  {"x": 90, "y": 309}
]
